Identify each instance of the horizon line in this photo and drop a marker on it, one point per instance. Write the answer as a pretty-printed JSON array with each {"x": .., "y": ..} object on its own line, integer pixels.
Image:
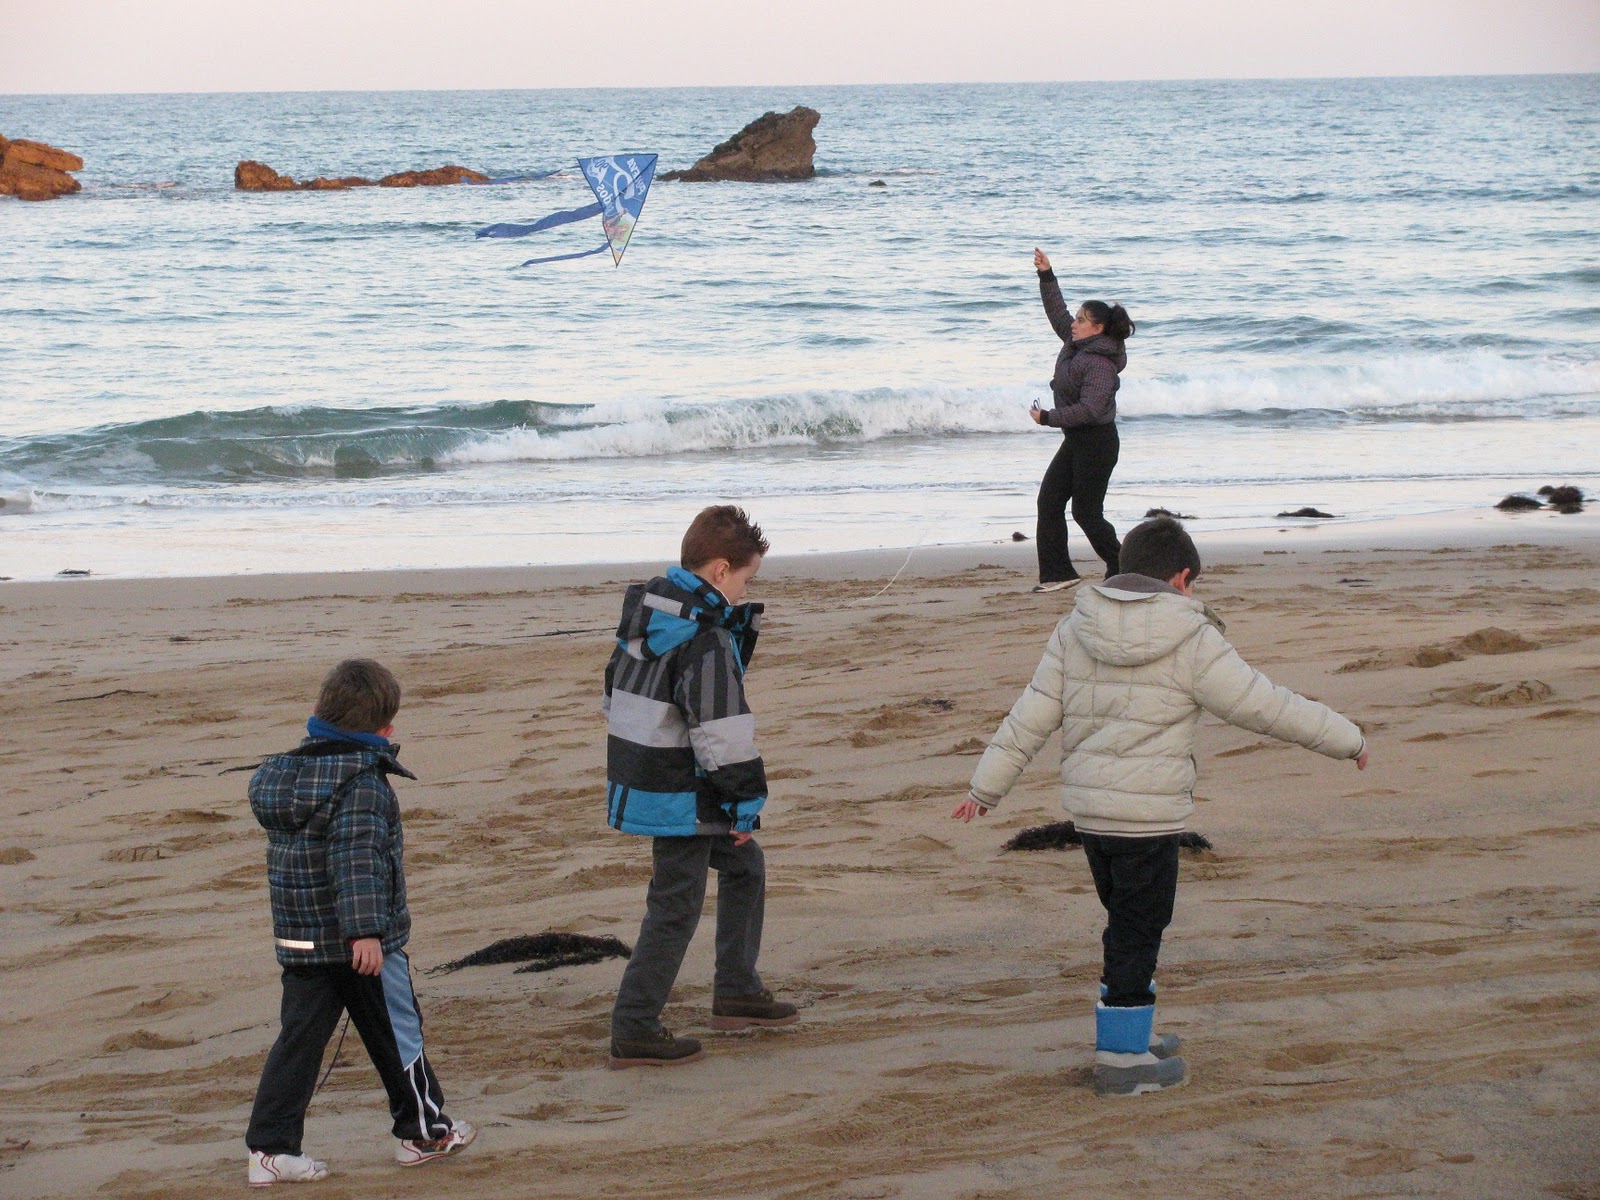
[{"x": 313, "y": 91}]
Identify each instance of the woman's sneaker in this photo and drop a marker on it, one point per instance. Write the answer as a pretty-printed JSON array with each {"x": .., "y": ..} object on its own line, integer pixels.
[
  {"x": 758, "y": 1008},
  {"x": 660, "y": 1050},
  {"x": 268, "y": 1169},
  {"x": 1058, "y": 585},
  {"x": 414, "y": 1152}
]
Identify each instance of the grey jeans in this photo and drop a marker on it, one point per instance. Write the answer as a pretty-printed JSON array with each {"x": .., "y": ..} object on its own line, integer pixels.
[{"x": 672, "y": 911}]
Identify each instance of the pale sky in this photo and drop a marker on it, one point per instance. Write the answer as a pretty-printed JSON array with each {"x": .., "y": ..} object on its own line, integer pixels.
[{"x": 291, "y": 45}]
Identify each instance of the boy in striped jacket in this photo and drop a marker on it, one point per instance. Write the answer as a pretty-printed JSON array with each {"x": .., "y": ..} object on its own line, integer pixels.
[
  {"x": 340, "y": 923},
  {"x": 682, "y": 769}
]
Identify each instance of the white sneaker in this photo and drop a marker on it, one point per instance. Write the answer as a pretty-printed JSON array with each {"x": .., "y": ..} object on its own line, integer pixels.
[
  {"x": 268, "y": 1169},
  {"x": 1058, "y": 585},
  {"x": 414, "y": 1152}
]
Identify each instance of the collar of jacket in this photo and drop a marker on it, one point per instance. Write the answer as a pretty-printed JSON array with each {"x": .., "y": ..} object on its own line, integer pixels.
[
  {"x": 384, "y": 760},
  {"x": 663, "y": 614}
]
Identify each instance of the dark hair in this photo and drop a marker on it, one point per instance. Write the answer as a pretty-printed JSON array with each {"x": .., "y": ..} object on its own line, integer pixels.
[
  {"x": 1159, "y": 548},
  {"x": 359, "y": 696},
  {"x": 722, "y": 531},
  {"x": 1112, "y": 318}
]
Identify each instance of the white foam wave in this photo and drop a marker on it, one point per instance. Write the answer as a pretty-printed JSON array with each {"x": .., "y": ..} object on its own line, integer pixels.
[
  {"x": 1479, "y": 383},
  {"x": 1441, "y": 387}
]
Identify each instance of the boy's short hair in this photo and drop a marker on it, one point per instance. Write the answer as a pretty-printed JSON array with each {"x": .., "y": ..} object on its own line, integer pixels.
[
  {"x": 722, "y": 531},
  {"x": 1159, "y": 548},
  {"x": 359, "y": 696}
]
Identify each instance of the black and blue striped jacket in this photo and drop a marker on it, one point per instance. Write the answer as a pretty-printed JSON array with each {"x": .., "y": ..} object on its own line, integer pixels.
[
  {"x": 681, "y": 754},
  {"x": 334, "y": 849}
]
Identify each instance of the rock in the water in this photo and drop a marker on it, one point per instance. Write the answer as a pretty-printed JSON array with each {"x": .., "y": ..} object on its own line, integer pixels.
[
  {"x": 343, "y": 183},
  {"x": 1308, "y": 512},
  {"x": 1018, "y": 536},
  {"x": 438, "y": 177},
  {"x": 1515, "y": 503},
  {"x": 775, "y": 146},
  {"x": 878, "y": 183},
  {"x": 1151, "y": 513},
  {"x": 36, "y": 171},
  {"x": 252, "y": 176}
]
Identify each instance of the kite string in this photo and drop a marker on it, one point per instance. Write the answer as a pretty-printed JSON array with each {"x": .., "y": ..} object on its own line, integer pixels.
[
  {"x": 334, "y": 1061},
  {"x": 923, "y": 524}
]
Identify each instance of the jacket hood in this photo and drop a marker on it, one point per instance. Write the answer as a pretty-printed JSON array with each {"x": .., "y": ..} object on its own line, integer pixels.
[
  {"x": 669, "y": 610},
  {"x": 1130, "y": 620},
  {"x": 1106, "y": 347},
  {"x": 289, "y": 790}
]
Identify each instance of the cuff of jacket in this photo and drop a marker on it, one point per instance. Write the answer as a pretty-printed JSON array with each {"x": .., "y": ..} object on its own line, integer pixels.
[
  {"x": 1048, "y": 273},
  {"x": 981, "y": 802}
]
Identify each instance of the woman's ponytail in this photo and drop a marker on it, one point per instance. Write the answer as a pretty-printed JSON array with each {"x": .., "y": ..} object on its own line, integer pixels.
[{"x": 1112, "y": 318}]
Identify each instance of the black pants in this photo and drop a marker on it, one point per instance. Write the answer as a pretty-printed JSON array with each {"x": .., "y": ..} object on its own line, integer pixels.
[
  {"x": 1137, "y": 878},
  {"x": 1079, "y": 473},
  {"x": 672, "y": 911},
  {"x": 383, "y": 1008}
]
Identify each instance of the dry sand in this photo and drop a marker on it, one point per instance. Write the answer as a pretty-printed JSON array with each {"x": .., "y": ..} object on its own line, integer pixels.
[{"x": 1386, "y": 982}]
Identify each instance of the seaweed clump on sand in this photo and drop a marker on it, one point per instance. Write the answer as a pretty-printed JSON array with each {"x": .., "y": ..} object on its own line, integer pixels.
[
  {"x": 541, "y": 952},
  {"x": 1565, "y": 499},
  {"x": 1309, "y": 512},
  {"x": 1516, "y": 503},
  {"x": 1061, "y": 834},
  {"x": 1167, "y": 512}
]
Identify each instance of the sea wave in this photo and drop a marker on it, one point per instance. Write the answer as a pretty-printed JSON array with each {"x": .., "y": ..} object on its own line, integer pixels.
[{"x": 300, "y": 442}]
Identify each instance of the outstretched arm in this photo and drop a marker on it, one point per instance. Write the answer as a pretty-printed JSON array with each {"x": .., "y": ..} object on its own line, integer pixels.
[
  {"x": 1050, "y": 292},
  {"x": 1029, "y": 724},
  {"x": 1228, "y": 687}
]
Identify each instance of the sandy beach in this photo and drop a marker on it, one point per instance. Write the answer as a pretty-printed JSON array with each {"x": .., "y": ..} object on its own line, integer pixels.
[{"x": 1385, "y": 981}]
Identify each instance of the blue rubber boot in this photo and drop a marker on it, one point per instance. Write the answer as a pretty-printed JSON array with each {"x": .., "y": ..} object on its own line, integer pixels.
[
  {"x": 1123, "y": 1063},
  {"x": 1162, "y": 1045}
]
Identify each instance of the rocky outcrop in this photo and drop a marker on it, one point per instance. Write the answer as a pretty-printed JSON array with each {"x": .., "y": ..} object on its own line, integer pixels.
[
  {"x": 776, "y": 146},
  {"x": 35, "y": 171},
  {"x": 438, "y": 177},
  {"x": 252, "y": 176}
]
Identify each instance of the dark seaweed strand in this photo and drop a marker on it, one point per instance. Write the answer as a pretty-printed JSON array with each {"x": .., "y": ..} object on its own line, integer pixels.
[
  {"x": 1063, "y": 834},
  {"x": 539, "y": 946},
  {"x": 577, "y": 958}
]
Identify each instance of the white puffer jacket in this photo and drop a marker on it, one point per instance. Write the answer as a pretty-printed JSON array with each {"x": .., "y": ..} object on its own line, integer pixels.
[{"x": 1124, "y": 678}]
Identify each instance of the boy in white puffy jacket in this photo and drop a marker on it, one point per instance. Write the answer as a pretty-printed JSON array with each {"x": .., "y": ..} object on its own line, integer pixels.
[{"x": 1124, "y": 678}]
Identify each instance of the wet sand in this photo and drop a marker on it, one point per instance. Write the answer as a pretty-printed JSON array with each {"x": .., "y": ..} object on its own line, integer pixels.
[{"x": 1385, "y": 980}]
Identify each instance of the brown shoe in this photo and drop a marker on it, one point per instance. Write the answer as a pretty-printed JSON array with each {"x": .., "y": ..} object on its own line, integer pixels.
[
  {"x": 662, "y": 1050},
  {"x": 758, "y": 1008}
]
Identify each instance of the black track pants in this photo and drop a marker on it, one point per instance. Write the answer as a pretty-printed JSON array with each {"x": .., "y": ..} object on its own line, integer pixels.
[{"x": 383, "y": 1008}]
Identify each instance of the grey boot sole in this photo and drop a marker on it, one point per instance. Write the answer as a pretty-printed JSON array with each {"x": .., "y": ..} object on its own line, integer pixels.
[{"x": 1136, "y": 1081}]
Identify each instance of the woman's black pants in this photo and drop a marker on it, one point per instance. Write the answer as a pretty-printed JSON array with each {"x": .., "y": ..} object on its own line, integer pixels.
[{"x": 1079, "y": 474}]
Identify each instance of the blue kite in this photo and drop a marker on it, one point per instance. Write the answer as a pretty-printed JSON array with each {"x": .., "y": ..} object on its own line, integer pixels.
[{"x": 620, "y": 183}]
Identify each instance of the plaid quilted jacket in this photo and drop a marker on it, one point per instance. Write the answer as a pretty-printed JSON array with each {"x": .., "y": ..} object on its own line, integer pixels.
[{"x": 334, "y": 849}]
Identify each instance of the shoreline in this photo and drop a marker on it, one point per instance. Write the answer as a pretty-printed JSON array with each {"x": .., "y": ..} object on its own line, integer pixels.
[{"x": 1471, "y": 528}]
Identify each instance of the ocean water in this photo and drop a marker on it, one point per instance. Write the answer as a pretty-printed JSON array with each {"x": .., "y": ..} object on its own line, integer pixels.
[{"x": 1379, "y": 297}]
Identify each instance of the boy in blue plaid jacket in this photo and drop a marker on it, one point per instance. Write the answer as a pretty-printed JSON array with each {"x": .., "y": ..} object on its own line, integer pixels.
[{"x": 340, "y": 921}]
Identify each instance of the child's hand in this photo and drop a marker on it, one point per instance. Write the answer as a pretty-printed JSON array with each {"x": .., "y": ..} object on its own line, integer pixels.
[
  {"x": 1361, "y": 759},
  {"x": 739, "y": 838},
  {"x": 968, "y": 809},
  {"x": 366, "y": 955}
]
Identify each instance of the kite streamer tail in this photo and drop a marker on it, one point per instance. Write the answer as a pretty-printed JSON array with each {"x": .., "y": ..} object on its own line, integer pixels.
[
  {"x": 600, "y": 249},
  {"x": 505, "y": 230}
]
